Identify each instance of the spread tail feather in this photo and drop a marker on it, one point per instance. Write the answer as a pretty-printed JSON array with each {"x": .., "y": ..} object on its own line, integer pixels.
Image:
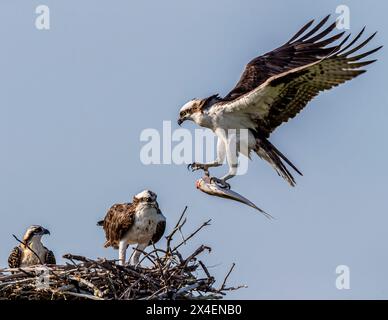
[
  {"x": 271, "y": 154},
  {"x": 281, "y": 155}
]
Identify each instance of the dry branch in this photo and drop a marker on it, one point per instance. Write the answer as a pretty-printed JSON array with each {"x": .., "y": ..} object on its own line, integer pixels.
[{"x": 170, "y": 276}]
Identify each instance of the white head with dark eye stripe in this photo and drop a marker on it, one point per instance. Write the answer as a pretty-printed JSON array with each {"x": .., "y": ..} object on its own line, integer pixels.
[
  {"x": 34, "y": 233},
  {"x": 146, "y": 197},
  {"x": 194, "y": 110},
  {"x": 189, "y": 111}
]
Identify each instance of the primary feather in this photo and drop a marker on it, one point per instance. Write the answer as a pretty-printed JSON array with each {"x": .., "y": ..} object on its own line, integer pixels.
[{"x": 276, "y": 86}]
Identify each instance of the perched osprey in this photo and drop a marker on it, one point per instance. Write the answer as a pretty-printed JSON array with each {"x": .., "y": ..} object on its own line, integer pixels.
[
  {"x": 274, "y": 88},
  {"x": 140, "y": 222},
  {"x": 22, "y": 256}
]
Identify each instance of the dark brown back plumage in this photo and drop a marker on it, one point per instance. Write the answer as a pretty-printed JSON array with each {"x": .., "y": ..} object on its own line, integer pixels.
[
  {"x": 330, "y": 67},
  {"x": 15, "y": 258},
  {"x": 118, "y": 221},
  {"x": 159, "y": 232},
  {"x": 50, "y": 257}
]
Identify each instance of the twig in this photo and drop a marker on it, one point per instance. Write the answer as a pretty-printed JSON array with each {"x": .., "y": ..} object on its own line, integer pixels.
[
  {"x": 227, "y": 276},
  {"x": 176, "y": 228},
  {"x": 169, "y": 276},
  {"x": 193, "y": 234},
  {"x": 205, "y": 269},
  {"x": 82, "y": 295},
  {"x": 27, "y": 246}
]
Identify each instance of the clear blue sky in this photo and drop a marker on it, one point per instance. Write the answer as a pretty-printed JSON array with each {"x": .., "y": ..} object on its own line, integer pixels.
[{"x": 74, "y": 100}]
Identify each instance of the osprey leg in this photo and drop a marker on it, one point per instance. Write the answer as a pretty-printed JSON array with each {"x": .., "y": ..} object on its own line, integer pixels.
[
  {"x": 136, "y": 253},
  {"x": 122, "y": 252},
  {"x": 221, "y": 153},
  {"x": 231, "y": 157}
]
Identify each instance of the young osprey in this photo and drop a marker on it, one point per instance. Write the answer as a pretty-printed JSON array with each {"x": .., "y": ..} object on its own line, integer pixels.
[
  {"x": 274, "y": 88},
  {"x": 140, "y": 222},
  {"x": 22, "y": 256}
]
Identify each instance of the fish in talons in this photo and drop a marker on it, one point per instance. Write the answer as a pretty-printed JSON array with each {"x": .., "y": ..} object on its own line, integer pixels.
[
  {"x": 206, "y": 185},
  {"x": 199, "y": 166}
]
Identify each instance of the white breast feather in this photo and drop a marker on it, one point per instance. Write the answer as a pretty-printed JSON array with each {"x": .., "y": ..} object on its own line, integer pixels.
[
  {"x": 29, "y": 258},
  {"x": 144, "y": 227}
]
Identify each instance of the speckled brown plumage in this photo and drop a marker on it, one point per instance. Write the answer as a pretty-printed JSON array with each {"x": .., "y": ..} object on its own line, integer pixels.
[
  {"x": 50, "y": 257},
  {"x": 14, "y": 258},
  {"x": 31, "y": 251},
  {"x": 118, "y": 221},
  {"x": 140, "y": 222}
]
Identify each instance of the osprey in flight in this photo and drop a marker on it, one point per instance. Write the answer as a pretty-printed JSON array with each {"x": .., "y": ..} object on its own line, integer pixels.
[
  {"x": 32, "y": 251},
  {"x": 140, "y": 222},
  {"x": 274, "y": 88}
]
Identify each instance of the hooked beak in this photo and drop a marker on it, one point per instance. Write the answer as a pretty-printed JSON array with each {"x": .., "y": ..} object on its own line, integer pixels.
[
  {"x": 180, "y": 121},
  {"x": 151, "y": 202},
  {"x": 45, "y": 231}
]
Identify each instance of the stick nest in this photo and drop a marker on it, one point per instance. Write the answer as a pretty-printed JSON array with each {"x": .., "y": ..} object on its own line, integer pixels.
[{"x": 169, "y": 276}]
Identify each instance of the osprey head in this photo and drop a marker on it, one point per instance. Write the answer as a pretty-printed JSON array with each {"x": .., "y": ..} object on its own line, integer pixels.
[
  {"x": 146, "y": 196},
  {"x": 33, "y": 233},
  {"x": 193, "y": 110},
  {"x": 188, "y": 111}
]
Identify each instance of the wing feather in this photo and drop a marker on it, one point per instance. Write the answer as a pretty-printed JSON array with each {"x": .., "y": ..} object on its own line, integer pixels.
[
  {"x": 159, "y": 232},
  {"x": 118, "y": 221},
  {"x": 50, "y": 257},
  {"x": 306, "y": 26},
  {"x": 275, "y": 87},
  {"x": 14, "y": 259}
]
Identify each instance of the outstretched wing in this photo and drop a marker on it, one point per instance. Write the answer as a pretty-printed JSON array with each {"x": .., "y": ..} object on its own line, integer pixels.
[
  {"x": 118, "y": 221},
  {"x": 50, "y": 257},
  {"x": 14, "y": 259},
  {"x": 276, "y": 86}
]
